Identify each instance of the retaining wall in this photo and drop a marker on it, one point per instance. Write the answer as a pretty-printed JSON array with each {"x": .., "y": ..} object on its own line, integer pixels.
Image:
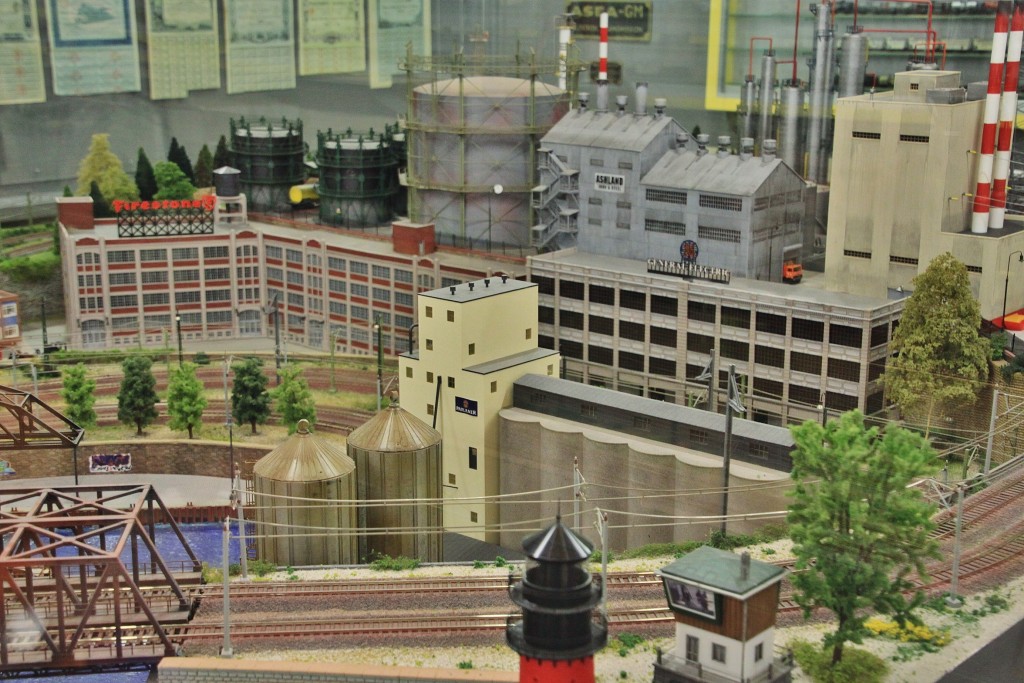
[
  {"x": 195, "y": 457},
  {"x": 213, "y": 670}
]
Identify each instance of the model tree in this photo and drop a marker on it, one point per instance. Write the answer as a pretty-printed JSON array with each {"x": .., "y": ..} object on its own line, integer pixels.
[
  {"x": 939, "y": 360},
  {"x": 294, "y": 400},
  {"x": 204, "y": 168},
  {"x": 185, "y": 399},
  {"x": 177, "y": 155},
  {"x": 100, "y": 205},
  {"x": 857, "y": 530},
  {"x": 102, "y": 166},
  {"x": 221, "y": 155},
  {"x": 172, "y": 183},
  {"x": 136, "y": 400},
  {"x": 144, "y": 178},
  {"x": 78, "y": 392},
  {"x": 250, "y": 401}
]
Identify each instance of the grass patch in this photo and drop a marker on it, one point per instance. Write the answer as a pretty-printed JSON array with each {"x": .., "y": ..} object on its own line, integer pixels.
[
  {"x": 385, "y": 563},
  {"x": 857, "y": 666},
  {"x": 261, "y": 567},
  {"x": 768, "y": 534},
  {"x": 624, "y": 642}
]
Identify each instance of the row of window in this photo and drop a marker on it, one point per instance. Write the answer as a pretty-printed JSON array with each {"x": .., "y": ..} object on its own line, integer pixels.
[{"x": 160, "y": 255}]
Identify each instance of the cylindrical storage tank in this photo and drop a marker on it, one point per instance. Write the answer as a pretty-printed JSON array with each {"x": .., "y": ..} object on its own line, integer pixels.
[
  {"x": 290, "y": 526},
  {"x": 748, "y": 100},
  {"x": 791, "y": 125},
  {"x": 466, "y": 136},
  {"x": 766, "y": 97},
  {"x": 358, "y": 179},
  {"x": 400, "y": 204},
  {"x": 270, "y": 158},
  {"x": 227, "y": 182},
  {"x": 398, "y": 458},
  {"x": 853, "y": 63}
]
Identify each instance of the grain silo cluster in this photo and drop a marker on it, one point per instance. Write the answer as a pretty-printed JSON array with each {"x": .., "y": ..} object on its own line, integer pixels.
[{"x": 317, "y": 504}]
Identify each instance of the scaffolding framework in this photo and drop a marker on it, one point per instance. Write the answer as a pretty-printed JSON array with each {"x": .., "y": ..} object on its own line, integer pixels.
[{"x": 474, "y": 124}]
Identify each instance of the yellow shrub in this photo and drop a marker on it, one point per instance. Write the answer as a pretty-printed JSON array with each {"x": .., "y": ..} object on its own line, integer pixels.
[{"x": 910, "y": 633}]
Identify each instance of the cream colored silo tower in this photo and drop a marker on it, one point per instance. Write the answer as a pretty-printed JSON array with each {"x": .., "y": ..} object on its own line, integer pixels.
[{"x": 475, "y": 340}]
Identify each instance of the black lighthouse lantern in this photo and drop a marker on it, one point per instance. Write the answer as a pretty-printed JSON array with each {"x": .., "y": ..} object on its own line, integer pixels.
[{"x": 558, "y": 633}]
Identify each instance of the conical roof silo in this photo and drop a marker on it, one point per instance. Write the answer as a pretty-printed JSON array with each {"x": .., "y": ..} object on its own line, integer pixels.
[
  {"x": 398, "y": 458},
  {"x": 305, "y": 502}
]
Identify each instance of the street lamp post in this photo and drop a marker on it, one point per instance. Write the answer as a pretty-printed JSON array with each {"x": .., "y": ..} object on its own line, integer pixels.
[
  {"x": 498, "y": 189},
  {"x": 1006, "y": 285},
  {"x": 177, "y": 322},
  {"x": 380, "y": 360},
  {"x": 229, "y": 419}
]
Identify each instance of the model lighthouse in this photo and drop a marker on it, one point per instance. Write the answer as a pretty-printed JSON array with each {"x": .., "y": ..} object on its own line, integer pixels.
[{"x": 557, "y": 636}]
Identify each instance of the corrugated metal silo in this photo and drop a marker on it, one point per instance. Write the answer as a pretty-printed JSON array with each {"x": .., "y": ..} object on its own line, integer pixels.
[
  {"x": 270, "y": 156},
  {"x": 290, "y": 530},
  {"x": 398, "y": 458},
  {"x": 472, "y": 165}
]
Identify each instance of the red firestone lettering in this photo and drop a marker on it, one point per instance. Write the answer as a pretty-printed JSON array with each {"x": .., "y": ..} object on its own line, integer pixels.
[{"x": 118, "y": 206}]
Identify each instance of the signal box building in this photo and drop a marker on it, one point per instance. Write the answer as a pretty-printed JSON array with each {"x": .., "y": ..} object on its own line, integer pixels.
[
  {"x": 724, "y": 606},
  {"x": 474, "y": 341}
]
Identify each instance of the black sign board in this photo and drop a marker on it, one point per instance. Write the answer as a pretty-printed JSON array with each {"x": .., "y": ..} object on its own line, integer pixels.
[
  {"x": 465, "y": 405},
  {"x": 626, "y": 20}
]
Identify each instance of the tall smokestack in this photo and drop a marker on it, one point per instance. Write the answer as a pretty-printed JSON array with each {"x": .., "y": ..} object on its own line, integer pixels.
[
  {"x": 602, "y": 66},
  {"x": 1007, "y": 118},
  {"x": 983, "y": 193},
  {"x": 564, "y": 40}
]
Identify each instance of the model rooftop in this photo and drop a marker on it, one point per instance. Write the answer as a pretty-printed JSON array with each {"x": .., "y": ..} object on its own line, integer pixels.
[{"x": 478, "y": 289}]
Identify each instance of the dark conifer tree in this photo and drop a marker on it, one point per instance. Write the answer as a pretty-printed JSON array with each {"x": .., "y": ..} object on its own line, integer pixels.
[
  {"x": 221, "y": 155},
  {"x": 177, "y": 154},
  {"x": 204, "y": 168},
  {"x": 144, "y": 178},
  {"x": 100, "y": 206}
]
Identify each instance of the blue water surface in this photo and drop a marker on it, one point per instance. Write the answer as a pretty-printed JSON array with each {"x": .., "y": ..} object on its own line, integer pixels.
[{"x": 206, "y": 541}]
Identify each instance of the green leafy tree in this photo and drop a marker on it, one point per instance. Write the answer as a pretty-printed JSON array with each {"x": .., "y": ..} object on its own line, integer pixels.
[
  {"x": 172, "y": 183},
  {"x": 137, "y": 399},
  {"x": 1013, "y": 367},
  {"x": 857, "y": 530},
  {"x": 939, "y": 360},
  {"x": 78, "y": 392},
  {"x": 185, "y": 399},
  {"x": 177, "y": 155},
  {"x": 221, "y": 155},
  {"x": 294, "y": 400},
  {"x": 250, "y": 401},
  {"x": 204, "y": 168},
  {"x": 101, "y": 166},
  {"x": 145, "y": 180},
  {"x": 68, "y": 192},
  {"x": 100, "y": 205}
]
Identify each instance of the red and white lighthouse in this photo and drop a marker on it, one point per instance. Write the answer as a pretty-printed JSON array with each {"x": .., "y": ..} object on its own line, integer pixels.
[{"x": 558, "y": 635}]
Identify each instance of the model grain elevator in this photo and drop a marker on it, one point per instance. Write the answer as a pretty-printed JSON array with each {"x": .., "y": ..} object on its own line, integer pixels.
[
  {"x": 305, "y": 492},
  {"x": 472, "y": 138},
  {"x": 398, "y": 462}
]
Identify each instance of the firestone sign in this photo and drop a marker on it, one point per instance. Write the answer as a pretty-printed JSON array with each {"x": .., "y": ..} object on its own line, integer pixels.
[
  {"x": 165, "y": 217},
  {"x": 206, "y": 203}
]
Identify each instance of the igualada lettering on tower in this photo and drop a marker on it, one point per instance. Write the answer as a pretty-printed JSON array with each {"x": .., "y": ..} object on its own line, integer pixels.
[{"x": 684, "y": 269}]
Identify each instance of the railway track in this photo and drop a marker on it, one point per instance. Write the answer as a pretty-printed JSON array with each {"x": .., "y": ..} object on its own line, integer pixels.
[{"x": 391, "y": 625}]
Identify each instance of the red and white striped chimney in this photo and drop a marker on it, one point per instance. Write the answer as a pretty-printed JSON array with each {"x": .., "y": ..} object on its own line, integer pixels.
[
  {"x": 602, "y": 66},
  {"x": 1007, "y": 118},
  {"x": 983, "y": 193}
]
